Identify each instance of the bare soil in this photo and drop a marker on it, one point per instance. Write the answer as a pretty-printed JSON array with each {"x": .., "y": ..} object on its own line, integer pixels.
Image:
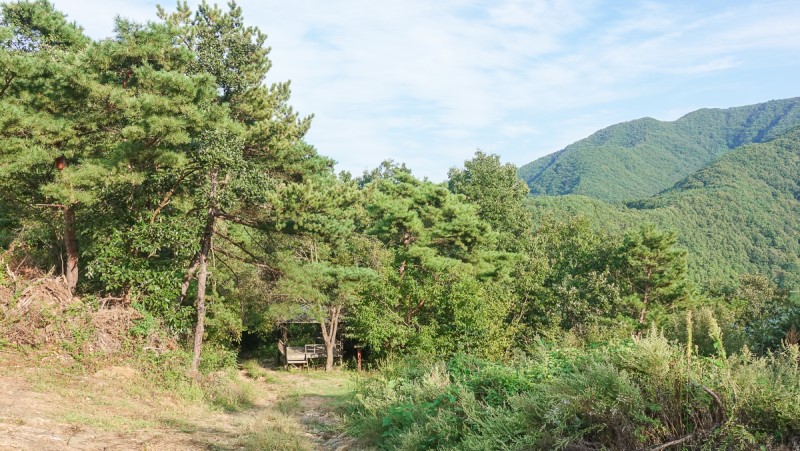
[
  {"x": 50, "y": 401},
  {"x": 117, "y": 408}
]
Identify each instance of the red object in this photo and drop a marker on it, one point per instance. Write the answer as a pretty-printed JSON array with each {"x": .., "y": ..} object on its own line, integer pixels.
[{"x": 61, "y": 163}]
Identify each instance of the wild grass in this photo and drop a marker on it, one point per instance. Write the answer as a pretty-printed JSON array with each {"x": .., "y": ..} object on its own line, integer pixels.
[
  {"x": 275, "y": 432},
  {"x": 231, "y": 394},
  {"x": 254, "y": 370},
  {"x": 104, "y": 422},
  {"x": 629, "y": 394}
]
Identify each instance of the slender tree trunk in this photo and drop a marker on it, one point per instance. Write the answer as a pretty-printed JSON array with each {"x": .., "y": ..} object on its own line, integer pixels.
[
  {"x": 329, "y": 335},
  {"x": 202, "y": 278},
  {"x": 645, "y": 295},
  {"x": 187, "y": 279},
  {"x": 645, "y": 299},
  {"x": 71, "y": 271},
  {"x": 329, "y": 356},
  {"x": 202, "y": 272},
  {"x": 200, "y": 327}
]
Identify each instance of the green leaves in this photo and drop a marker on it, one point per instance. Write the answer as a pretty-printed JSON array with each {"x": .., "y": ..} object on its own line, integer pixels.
[
  {"x": 640, "y": 158},
  {"x": 434, "y": 293},
  {"x": 651, "y": 267},
  {"x": 36, "y": 25},
  {"x": 425, "y": 220}
]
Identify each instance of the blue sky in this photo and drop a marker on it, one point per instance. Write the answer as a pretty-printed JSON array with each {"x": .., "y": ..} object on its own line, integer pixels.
[{"x": 430, "y": 82}]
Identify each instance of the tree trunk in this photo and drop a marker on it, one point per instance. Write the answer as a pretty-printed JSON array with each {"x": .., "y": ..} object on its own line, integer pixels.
[
  {"x": 202, "y": 278},
  {"x": 645, "y": 295},
  {"x": 71, "y": 271},
  {"x": 200, "y": 327},
  {"x": 187, "y": 280},
  {"x": 329, "y": 348},
  {"x": 329, "y": 335},
  {"x": 202, "y": 272},
  {"x": 645, "y": 299}
]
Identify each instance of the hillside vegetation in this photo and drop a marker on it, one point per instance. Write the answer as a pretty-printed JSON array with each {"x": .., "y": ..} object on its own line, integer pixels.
[
  {"x": 741, "y": 214},
  {"x": 165, "y": 221},
  {"x": 640, "y": 158}
]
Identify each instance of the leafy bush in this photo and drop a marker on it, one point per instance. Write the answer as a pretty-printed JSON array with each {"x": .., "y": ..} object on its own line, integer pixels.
[
  {"x": 217, "y": 358},
  {"x": 625, "y": 394}
]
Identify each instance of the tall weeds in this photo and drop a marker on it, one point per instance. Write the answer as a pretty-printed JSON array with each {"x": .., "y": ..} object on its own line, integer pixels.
[{"x": 643, "y": 393}]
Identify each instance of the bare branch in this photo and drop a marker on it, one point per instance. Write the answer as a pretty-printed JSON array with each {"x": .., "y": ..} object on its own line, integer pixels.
[
  {"x": 240, "y": 246},
  {"x": 168, "y": 195}
]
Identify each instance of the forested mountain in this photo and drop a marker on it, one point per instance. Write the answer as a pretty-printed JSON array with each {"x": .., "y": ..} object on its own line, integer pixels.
[
  {"x": 640, "y": 158},
  {"x": 740, "y": 214}
]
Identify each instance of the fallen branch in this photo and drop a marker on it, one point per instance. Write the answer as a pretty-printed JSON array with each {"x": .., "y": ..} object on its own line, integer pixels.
[{"x": 720, "y": 418}]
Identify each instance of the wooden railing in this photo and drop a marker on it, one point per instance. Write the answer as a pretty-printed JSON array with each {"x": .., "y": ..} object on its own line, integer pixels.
[{"x": 300, "y": 355}]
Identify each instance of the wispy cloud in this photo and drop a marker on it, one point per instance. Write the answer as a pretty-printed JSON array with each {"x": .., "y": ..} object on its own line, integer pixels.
[{"x": 429, "y": 82}]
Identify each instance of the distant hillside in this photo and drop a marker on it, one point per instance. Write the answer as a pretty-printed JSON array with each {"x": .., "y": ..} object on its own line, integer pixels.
[
  {"x": 638, "y": 159},
  {"x": 740, "y": 214}
]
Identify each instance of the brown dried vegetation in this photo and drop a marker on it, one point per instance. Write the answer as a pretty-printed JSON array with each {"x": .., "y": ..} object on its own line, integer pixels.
[{"x": 37, "y": 310}]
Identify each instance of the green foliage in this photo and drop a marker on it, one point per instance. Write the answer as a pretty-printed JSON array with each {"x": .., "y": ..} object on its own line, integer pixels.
[
  {"x": 650, "y": 268},
  {"x": 224, "y": 323},
  {"x": 737, "y": 216},
  {"x": 640, "y": 158},
  {"x": 178, "y": 163},
  {"x": 153, "y": 132},
  {"x": 498, "y": 193},
  {"x": 625, "y": 395},
  {"x": 442, "y": 286},
  {"x": 217, "y": 358}
]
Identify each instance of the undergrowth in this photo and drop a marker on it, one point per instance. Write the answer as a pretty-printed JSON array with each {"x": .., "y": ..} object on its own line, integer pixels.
[
  {"x": 40, "y": 321},
  {"x": 628, "y": 394}
]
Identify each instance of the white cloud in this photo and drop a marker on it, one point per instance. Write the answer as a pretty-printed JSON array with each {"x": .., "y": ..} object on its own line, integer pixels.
[
  {"x": 429, "y": 82},
  {"x": 97, "y": 17}
]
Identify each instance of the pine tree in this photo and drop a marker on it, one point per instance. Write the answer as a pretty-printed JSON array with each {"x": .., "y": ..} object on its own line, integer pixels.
[
  {"x": 651, "y": 268},
  {"x": 436, "y": 241},
  {"x": 89, "y": 125},
  {"x": 257, "y": 148},
  {"x": 45, "y": 83}
]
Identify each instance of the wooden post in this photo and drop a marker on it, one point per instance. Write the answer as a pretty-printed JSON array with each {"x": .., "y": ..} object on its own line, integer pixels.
[{"x": 358, "y": 356}]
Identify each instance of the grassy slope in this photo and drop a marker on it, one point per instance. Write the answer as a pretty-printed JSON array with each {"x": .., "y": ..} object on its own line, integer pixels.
[
  {"x": 640, "y": 158},
  {"x": 624, "y": 394},
  {"x": 75, "y": 374},
  {"x": 52, "y": 403},
  {"x": 740, "y": 214}
]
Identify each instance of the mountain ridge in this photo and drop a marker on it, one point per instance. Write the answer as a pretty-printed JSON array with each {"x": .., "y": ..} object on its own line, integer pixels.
[
  {"x": 639, "y": 158},
  {"x": 740, "y": 214}
]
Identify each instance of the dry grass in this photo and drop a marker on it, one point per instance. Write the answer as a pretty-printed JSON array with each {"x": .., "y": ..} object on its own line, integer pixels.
[
  {"x": 49, "y": 405},
  {"x": 73, "y": 376}
]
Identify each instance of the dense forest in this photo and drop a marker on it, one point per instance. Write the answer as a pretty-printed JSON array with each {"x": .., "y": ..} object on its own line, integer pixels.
[
  {"x": 738, "y": 215},
  {"x": 637, "y": 159},
  {"x": 157, "y": 172}
]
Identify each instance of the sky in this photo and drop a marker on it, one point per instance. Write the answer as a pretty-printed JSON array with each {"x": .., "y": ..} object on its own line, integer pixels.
[{"x": 428, "y": 83}]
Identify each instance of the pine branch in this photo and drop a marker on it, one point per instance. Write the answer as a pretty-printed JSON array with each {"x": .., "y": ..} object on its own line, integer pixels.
[
  {"x": 240, "y": 259},
  {"x": 7, "y": 84},
  {"x": 238, "y": 245},
  {"x": 168, "y": 195}
]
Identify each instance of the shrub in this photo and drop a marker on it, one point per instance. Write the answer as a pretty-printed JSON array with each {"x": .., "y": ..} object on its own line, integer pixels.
[{"x": 628, "y": 394}]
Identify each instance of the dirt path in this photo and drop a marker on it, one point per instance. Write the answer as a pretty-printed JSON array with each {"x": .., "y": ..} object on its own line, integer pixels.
[{"x": 115, "y": 409}]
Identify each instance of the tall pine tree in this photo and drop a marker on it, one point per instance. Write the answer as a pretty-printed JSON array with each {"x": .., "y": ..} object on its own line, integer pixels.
[{"x": 257, "y": 148}]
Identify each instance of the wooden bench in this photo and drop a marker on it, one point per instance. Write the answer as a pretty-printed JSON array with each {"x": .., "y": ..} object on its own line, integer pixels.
[{"x": 302, "y": 355}]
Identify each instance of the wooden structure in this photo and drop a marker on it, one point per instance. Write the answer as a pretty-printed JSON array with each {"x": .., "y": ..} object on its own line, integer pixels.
[{"x": 303, "y": 356}]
